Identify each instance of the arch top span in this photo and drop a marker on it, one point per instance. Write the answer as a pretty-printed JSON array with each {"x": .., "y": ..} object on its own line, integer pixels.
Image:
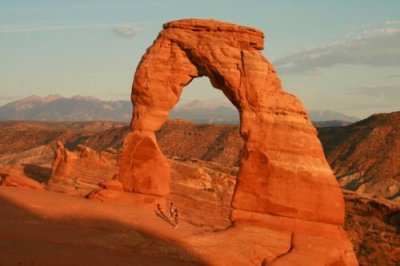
[
  {"x": 245, "y": 36},
  {"x": 283, "y": 168},
  {"x": 226, "y": 53}
]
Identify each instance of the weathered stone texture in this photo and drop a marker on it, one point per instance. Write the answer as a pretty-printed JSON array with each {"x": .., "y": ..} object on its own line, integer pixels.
[{"x": 283, "y": 168}]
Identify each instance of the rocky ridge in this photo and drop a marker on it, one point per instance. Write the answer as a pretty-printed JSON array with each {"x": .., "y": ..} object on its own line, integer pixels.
[{"x": 365, "y": 156}]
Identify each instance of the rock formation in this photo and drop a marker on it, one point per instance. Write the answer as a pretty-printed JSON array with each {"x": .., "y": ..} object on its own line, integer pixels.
[
  {"x": 15, "y": 176},
  {"x": 83, "y": 168},
  {"x": 284, "y": 181},
  {"x": 202, "y": 191},
  {"x": 283, "y": 168}
]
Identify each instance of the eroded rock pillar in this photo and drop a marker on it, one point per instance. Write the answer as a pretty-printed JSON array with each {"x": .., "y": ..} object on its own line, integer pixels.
[{"x": 143, "y": 168}]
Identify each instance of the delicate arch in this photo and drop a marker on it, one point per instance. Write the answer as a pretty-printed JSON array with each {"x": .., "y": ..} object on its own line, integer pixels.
[{"x": 283, "y": 169}]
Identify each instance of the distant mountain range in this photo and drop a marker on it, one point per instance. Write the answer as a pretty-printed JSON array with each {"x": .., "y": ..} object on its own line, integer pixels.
[
  {"x": 58, "y": 108},
  {"x": 79, "y": 108},
  {"x": 220, "y": 112},
  {"x": 319, "y": 116}
]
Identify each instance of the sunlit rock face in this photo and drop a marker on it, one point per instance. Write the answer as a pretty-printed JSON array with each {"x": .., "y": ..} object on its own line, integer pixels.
[
  {"x": 283, "y": 168},
  {"x": 79, "y": 171}
]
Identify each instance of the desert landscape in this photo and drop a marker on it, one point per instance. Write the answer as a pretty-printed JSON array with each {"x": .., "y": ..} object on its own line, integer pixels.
[
  {"x": 260, "y": 175},
  {"x": 204, "y": 177}
]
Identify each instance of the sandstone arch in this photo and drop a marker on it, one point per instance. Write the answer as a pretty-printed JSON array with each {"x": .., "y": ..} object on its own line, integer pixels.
[{"x": 283, "y": 171}]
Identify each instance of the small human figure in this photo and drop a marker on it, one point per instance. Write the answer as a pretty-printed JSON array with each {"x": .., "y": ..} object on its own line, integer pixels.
[
  {"x": 173, "y": 218},
  {"x": 159, "y": 209},
  {"x": 176, "y": 218},
  {"x": 77, "y": 183},
  {"x": 171, "y": 210}
]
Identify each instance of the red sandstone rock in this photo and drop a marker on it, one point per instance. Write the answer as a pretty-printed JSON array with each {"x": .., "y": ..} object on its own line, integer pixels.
[
  {"x": 14, "y": 176},
  {"x": 112, "y": 185},
  {"x": 143, "y": 168},
  {"x": 83, "y": 168},
  {"x": 104, "y": 194},
  {"x": 310, "y": 243},
  {"x": 283, "y": 169},
  {"x": 285, "y": 185},
  {"x": 203, "y": 192}
]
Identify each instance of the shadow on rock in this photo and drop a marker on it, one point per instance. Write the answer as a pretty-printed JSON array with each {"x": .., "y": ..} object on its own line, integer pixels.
[
  {"x": 37, "y": 172},
  {"x": 30, "y": 238}
]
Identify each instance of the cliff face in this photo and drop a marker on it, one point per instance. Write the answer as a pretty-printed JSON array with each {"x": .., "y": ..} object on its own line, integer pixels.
[{"x": 365, "y": 156}]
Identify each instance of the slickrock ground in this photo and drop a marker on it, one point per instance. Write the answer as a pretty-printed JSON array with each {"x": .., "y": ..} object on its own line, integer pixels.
[
  {"x": 203, "y": 191},
  {"x": 36, "y": 230},
  {"x": 82, "y": 231},
  {"x": 117, "y": 228},
  {"x": 127, "y": 231}
]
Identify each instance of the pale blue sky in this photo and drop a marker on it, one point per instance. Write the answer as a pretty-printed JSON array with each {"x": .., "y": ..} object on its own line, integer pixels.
[{"x": 335, "y": 55}]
